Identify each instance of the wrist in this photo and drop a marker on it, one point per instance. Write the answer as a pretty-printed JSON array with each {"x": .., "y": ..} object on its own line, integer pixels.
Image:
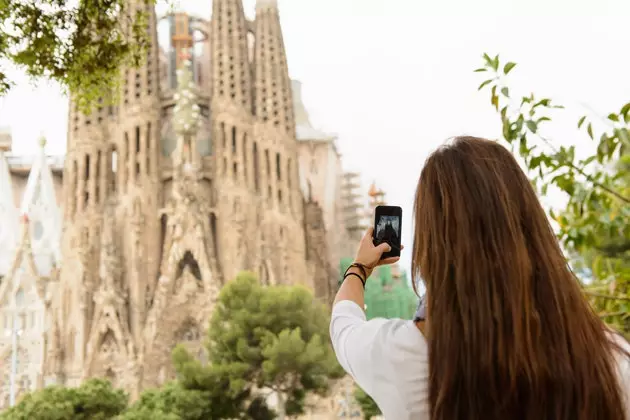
[{"x": 368, "y": 270}]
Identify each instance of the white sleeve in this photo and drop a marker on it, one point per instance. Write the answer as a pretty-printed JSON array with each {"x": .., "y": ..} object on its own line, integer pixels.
[{"x": 360, "y": 344}]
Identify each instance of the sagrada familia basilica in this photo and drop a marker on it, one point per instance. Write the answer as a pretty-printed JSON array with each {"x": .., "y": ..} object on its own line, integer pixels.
[{"x": 208, "y": 165}]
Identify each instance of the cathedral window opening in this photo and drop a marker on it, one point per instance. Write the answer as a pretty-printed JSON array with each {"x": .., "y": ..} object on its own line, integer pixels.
[
  {"x": 256, "y": 169},
  {"x": 235, "y": 171},
  {"x": 244, "y": 148},
  {"x": 137, "y": 139},
  {"x": 127, "y": 153},
  {"x": 289, "y": 173},
  {"x": 148, "y": 148},
  {"x": 189, "y": 261},
  {"x": 225, "y": 166},
  {"x": 269, "y": 192},
  {"x": 280, "y": 196},
  {"x": 215, "y": 237},
  {"x": 268, "y": 162},
  {"x": 87, "y": 167},
  {"x": 137, "y": 163},
  {"x": 278, "y": 168},
  {"x": 97, "y": 168},
  {"x": 233, "y": 139},
  {"x": 223, "y": 137}
]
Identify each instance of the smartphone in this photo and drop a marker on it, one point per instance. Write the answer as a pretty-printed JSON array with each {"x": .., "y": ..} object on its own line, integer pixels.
[{"x": 388, "y": 228}]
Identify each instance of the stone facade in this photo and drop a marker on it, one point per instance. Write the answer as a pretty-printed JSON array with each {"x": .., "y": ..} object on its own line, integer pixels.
[
  {"x": 29, "y": 259},
  {"x": 197, "y": 173}
]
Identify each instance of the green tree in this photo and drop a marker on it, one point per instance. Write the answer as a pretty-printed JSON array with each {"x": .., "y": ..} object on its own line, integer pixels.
[
  {"x": 367, "y": 404},
  {"x": 81, "y": 45},
  {"x": 171, "y": 402},
  {"x": 95, "y": 399},
  {"x": 266, "y": 339},
  {"x": 594, "y": 227},
  {"x": 202, "y": 391}
]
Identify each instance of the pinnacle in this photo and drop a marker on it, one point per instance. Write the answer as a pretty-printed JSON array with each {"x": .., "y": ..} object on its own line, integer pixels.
[
  {"x": 42, "y": 141},
  {"x": 266, "y": 3}
]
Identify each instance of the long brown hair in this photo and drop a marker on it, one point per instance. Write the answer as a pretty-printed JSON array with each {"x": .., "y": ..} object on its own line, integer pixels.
[{"x": 510, "y": 333}]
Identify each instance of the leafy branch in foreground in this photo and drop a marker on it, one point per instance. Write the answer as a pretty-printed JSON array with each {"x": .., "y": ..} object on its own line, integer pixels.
[
  {"x": 81, "y": 45},
  {"x": 594, "y": 225}
]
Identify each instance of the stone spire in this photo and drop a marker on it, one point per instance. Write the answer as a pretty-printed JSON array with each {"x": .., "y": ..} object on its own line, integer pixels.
[
  {"x": 8, "y": 217},
  {"x": 231, "y": 74},
  {"x": 273, "y": 96},
  {"x": 39, "y": 207}
]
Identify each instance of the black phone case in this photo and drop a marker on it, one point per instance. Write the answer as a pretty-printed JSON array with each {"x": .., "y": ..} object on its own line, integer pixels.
[{"x": 395, "y": 252}]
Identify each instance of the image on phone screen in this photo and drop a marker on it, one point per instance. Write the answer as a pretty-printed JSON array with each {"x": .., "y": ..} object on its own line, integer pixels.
[{"x": 387, "y": 228}]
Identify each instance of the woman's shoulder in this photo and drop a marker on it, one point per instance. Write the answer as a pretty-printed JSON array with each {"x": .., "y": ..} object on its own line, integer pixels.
[{"x": 391, "y": 335}]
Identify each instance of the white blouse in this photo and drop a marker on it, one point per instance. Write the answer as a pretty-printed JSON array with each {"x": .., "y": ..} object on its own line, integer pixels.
[{"x": 389, "y": 360}]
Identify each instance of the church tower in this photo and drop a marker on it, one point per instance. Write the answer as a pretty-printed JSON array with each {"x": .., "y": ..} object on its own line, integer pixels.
[
  {"x": 88, "y": 181},
  {"x": 111, "y": 164},
  {"x": 274, "y": 98},
  {"x": 274, "y": 129},
  {"x": 236, "y": 151},
  {"x": 138, "y": 177}
]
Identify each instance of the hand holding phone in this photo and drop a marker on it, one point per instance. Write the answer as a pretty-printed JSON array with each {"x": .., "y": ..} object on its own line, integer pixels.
[{"x": 388, "y": 229}]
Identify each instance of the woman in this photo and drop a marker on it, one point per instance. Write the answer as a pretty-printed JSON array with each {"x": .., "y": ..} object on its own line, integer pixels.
[{"x": 508, "y": 333}]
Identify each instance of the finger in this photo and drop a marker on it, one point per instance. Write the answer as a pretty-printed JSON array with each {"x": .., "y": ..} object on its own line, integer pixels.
[
  {"x": 368, "y": 234},
  {"x": 384, "y": 247},
  {"x": 388, "y": 261}
]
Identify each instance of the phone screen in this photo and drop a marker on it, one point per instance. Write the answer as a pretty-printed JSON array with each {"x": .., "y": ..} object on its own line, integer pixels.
[{"x": 387, "y": 228}]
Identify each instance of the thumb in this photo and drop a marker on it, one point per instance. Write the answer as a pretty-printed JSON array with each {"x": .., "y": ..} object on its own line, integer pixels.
[{"x": 384, "y": 247}]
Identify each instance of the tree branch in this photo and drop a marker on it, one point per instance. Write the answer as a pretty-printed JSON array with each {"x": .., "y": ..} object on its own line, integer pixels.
[{"x": 581, "y": 171}]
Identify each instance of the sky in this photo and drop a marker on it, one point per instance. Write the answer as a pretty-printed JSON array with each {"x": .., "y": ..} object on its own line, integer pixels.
[{"x": 394, "y": 78}]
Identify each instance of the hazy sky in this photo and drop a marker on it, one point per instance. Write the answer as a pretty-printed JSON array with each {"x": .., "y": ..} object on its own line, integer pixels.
[{"x": 393, "y": 78}]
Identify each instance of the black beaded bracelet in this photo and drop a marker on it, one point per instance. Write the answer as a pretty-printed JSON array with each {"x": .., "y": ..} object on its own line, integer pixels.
[
  {"x": 355, "y": 274},
  {"x": 360, "y": 267}
]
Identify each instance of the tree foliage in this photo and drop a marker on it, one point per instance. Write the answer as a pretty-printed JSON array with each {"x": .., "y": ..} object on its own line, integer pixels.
[
  {"x": 272, "y": 338},
  {"x": 81, "y": 45},
  {"x": 368, "y": 405},
  {"x": 171, "y": 402},
  {"x": 95, "y": 399},
  {"x": 594, "y": 225}
]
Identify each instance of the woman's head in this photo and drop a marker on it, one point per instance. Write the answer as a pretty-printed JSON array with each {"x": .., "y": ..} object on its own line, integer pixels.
[{"x": 510, "y": 333}]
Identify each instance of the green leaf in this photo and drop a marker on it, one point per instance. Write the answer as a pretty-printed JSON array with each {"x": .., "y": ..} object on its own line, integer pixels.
[
  {"x": 506, "y": 92},
  {"x": 581, "y": 121},
  {"x": 508, "y": 67},
  {"x": 613, "y": 117},
  {"x": 532, "y": 126},
  {"x": 589, "y": 130},
  {"x": 495, "y": 63},
  {"x": 479, "y": 70},
  {"x": 484, "y": 84}
]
